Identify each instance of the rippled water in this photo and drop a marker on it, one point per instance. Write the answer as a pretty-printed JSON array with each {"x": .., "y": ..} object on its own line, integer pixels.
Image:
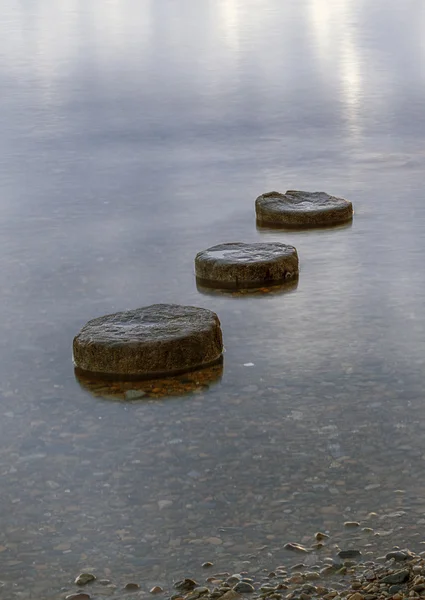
[{"x": 135, "y": 133}]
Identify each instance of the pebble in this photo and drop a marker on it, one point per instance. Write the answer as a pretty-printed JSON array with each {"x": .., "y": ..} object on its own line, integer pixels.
[
  {"x": 186, "y": 584},
  {"x": 84, "y": 578},
  {"x": 311, "y": 575},
  {"x": 78, "y": 596},
  {"x": 294, "y": 547},
  {"x": 230, "y": 595},
  {"x": 321, "y": 536},
  {"x": 397, "y": 577},
  {"x": 349, "y": 554},
  {"x": 131, "y": 587},
  {"x": 242, "y": 587},
  {"x": 356, "y": 596},
  {"x": 397, "y": 555},
  {"x": 351, "y": 524},
  {"x": 157, "y": 589},
  {"x": 207, "y": 564},
  {"x": 394, "y": 589}
]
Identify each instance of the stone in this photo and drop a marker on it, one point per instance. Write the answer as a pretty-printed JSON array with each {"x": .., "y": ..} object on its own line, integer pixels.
[
  {"x": 396, "y": 577},
  {"x": 154, "y": 341},
  {"x": 157, "y": 589},
  {"x": 394, "y": 589},
  {"x": 351, "y": 524},
  {"x": 311, "y": 576},
  {"x": 238, "y": 265},
  {"x": 78, "y": 596},
  {"x": 302, "y": 209},
  {"x": 343, "y": 554},
  {"x": 399, "y": 555},
  {"x": 186, "y": 585},
  {"x": 294, "y": 547},
  {"x": 131, "y": 587},
  {"x": 242, "y": 587},
  {"x": 320, "y": 537},
  {"x": 356, "y": 596},
  {"x": 207, "y": 564},
  {"x": 231, "y": 595},
  {"x": 84, "y": 578}
]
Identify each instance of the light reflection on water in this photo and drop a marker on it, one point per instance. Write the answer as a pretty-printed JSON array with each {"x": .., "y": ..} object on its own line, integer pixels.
[{"x": 135, "y": 134}]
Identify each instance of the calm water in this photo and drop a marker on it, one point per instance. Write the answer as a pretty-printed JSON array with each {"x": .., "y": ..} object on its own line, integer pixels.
[{"x": 135, "y": 133}]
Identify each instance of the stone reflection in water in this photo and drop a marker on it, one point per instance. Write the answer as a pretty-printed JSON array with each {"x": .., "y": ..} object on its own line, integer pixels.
[{"x": 189, "y": 383}]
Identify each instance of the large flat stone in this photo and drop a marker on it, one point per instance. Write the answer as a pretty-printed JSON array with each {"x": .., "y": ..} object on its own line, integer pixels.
[
  {"x": 302, "y": 209},
  {"x": 154, "y": 341},
  {"x": 238, "y": 265}
]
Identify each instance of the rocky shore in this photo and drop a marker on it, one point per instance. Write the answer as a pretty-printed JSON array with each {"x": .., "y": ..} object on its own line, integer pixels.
[{"x": 398, "y": 575}]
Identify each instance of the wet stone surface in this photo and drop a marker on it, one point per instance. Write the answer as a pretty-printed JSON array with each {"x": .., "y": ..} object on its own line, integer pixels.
[
  {"x": 302, "y": 209},
  {"x": 154, "y": 341},
  {"x": 240, "y": 265}
]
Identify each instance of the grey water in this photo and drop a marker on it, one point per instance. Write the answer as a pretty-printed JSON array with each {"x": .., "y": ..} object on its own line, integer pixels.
[{"x": 135, "y": 133}]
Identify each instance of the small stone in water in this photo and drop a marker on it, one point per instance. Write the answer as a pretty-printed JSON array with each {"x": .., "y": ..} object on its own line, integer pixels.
[
  {"x": 157, "y": 589},
  {"x": 294, "y": 547},
  {"x": 207, "y": 564},
  {"x": 356, "y": 596},
  {"x": 349, "y": 554},
  {"x": 321, "y": 536},
  {"x": 242, "y": 587},
  {"x": 78, "y": 596},
  {"x": 132, "y": 587},
  {"x": 351, "y": 524},
  {"x": 84, "y": 578}
]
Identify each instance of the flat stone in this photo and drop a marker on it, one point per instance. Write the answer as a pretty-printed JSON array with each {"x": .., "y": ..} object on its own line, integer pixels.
[
  {"x": 240, "y": 266},
  {"x": 302, "y": 209},
  {"x": 400, "y": 555},
  {"x": 84, "y": 578},
  {"x": 294, "y": 547},
  {"x": 154, "y": 341},
  {"x": 131, "y": 587},
  {"x": 157, "y": 589},
  {"x": 78, "y": 596},
  {"x": 397, "y": 577},
  {"x": 343, "y": 554},
  {"x": 320, "y": 537}
]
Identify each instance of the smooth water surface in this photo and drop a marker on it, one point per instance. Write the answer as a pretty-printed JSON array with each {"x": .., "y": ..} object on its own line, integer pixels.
[{"x": 135, "y": 133}]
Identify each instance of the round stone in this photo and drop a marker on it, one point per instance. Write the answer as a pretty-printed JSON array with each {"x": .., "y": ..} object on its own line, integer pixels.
[
  {"x": 237, "y": 265},
  {"x": 149, "y": 342},
  {"x": 302, "y": 209}
]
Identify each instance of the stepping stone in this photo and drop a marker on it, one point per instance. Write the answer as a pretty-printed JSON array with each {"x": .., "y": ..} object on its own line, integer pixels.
[
  {"x": 241, "y": 266},
  {"x": 154, "y": 341},
  {"x": 302, "y": 209}
]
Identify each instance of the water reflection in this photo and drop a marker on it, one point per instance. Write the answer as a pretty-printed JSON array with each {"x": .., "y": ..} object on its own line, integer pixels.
[
  {"x": 196, "y": 382},
  {"x": 135, "y": 133}
]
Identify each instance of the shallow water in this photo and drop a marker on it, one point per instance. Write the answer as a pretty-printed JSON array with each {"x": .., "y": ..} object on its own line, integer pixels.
[{"x": 133, "y": 135}]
